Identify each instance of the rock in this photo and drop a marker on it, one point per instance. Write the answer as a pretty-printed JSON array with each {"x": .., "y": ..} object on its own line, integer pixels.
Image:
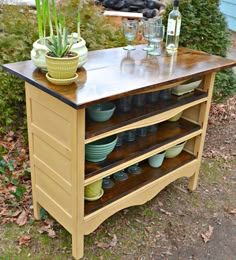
[
  {"x": 154, "y": 4},
  {"x": 149, "y": 13},
  {"x": 114, "y": 4}
]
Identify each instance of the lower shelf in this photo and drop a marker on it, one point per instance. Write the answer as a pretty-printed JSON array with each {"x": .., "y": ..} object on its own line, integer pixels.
[{"x": 135, "y": 182}]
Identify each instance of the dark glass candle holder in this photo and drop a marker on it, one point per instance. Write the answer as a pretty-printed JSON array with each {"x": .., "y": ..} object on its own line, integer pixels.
[
  {"x": 124, "y": 104},
  {"x": 120, "y": 176},
  {"x": 107, "y": 183},
  {"x": 139, "y": 100},
  {"x": 152, "y": 128},
  {"x": 165, "y": 94},
  {"x": 130, "y": 135},
  {"x": 120, "y": 139},
  {"x": 152, "y": 97},
  {"x": 134, "y": 169},
  {"x": 142, "y": 131}
]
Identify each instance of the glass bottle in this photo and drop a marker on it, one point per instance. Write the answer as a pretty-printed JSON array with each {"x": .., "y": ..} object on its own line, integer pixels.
[{"x": 173, "y": 28}]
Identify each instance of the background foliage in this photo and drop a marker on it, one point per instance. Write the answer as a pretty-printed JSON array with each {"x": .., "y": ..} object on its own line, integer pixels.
[{"x": 204, "y": 28}]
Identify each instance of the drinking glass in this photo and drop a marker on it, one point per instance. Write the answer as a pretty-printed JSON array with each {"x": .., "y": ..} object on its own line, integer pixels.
[
  {"x": 159, "y": 31},
  {"x": 148, "y": 34},
  {"x": 130, "y": 29}
]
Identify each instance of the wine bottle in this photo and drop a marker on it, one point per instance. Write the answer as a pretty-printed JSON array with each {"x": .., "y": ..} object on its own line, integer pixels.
[{"x": 173, "y": 28}]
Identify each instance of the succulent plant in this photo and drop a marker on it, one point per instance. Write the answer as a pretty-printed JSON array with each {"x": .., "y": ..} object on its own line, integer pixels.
[{"x": 59, "y": 45}]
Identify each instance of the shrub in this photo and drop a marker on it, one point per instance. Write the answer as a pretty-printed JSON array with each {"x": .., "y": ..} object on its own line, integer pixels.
[
  {"x": 16, "y": 33},
  {"x": 204, "y": 28}
]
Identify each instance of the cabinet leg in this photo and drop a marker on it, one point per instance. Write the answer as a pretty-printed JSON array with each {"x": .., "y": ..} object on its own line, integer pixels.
[
  {"x": 193, "y": 180},
  {"x": 37, "y": 209},
  {"x": 77, "y": 246},
  {"x": 192, "y": 184}
]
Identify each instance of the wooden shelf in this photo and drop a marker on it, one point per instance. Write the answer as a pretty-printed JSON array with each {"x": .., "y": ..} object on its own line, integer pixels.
[
  {"x": 120, "y": 119},
  {"x": 166, "y": 133},
  {"x": 134, "y": 182}
]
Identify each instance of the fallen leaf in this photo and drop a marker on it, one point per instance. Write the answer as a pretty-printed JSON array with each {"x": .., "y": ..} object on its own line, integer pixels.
[
  {"x": 206, "y": 237},
  {"x": 102, "y": 245},
  {"x": 22, "y": 219},
  {"x": 51, "y": 233},
  {"x": 233, "y": 211},
  {"x": 229, "y": 210},
  {"x": 113, "y": 241},
  {"x": 16, "y": 213},
  {"x": 47, "y": 229},
  {"x": 25, "y": 240},
  {"x": 166, "y": 212}
]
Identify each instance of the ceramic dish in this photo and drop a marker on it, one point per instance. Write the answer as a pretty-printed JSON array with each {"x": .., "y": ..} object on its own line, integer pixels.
[
  {"x": 95, "y": 198},
  {"x": 61, "y": 81},
  {"x": 185, "y": 88},
  {"x": 176, "y": 117},
  {"x": 101, "y": 112},
  {"x": 98, "y": 150},
  {"x": 175, "y": 150}
]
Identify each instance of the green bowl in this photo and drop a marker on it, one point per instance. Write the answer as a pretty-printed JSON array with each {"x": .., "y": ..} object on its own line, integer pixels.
[
  {"x": 93, "y": 190},
  {"x": 175, "y": 150},
  {"x": 156, "y": 160},
  {"x": 101, "y": 112},
  {"x": 99, "y": 150}
]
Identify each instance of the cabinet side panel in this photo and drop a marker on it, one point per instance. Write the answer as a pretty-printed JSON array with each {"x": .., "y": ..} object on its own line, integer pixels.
[
  {"x": 52, "y": 158},
  {"x": 53, "y": 190},
  {"x": 51, "y": 122},
  {"x": 51, "y": 133}
]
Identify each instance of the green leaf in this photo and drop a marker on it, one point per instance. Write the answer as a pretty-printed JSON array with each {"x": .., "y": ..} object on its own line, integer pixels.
[
  {"x": 11, "y": 166},
  {"x": 43, "y": 213},
  {"x": 15, "y": 182},
  {"x": 6, "y": 180}
]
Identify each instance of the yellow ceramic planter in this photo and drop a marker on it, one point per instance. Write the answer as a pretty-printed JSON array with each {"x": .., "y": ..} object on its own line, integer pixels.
[{"x": 62, "y": 68}]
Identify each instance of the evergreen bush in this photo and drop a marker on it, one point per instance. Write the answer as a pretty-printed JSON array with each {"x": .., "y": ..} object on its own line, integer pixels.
[{"x": 204, "y": 28}]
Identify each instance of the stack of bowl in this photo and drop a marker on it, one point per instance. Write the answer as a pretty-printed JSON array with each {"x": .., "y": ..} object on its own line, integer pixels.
[{"x": 99, "y": 150}]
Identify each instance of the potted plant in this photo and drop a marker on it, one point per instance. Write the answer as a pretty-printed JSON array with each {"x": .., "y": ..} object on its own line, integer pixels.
[
  {"x": 47, "y": 19},
  {"x": 61, "y": 61}
]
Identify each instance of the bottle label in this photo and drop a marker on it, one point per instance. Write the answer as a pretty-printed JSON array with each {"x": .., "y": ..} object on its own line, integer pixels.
[{"x": 173, "y": 27}]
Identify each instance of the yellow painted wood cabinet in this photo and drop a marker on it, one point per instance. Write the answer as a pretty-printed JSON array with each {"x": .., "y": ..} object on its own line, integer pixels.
[{"x": 58, "y": 132}]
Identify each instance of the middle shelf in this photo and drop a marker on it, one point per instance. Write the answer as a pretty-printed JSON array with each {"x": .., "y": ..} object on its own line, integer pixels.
[{"x": 166, "y": 133}]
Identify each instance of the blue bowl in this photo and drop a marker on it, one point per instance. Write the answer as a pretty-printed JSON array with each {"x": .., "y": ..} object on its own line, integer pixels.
[
  {"x": 99, "y": 150},
  {"x": 156, "y": 160},
  {"x": 101, "y": 112}
]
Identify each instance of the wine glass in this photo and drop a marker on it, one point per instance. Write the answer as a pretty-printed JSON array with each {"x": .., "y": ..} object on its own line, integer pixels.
[
  {"x": 158, "y": 32},
  {"x": 130, "y": 29},
  {"x": 147, "y": 34}
]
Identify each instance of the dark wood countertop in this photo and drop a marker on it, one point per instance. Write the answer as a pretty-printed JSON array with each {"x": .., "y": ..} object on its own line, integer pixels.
[{"x": 111, "y": 74}]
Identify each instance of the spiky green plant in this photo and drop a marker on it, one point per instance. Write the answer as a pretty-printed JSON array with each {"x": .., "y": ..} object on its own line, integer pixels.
[
  {"x": 46, "y": 15},
  {"x": 59, "y": 45}
]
